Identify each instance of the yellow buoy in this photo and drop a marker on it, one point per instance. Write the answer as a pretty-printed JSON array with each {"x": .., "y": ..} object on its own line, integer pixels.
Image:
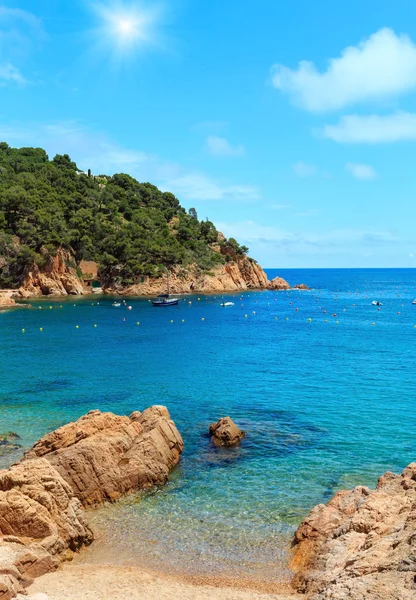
[
  {"x": 183, "y": 320},
  {"x": 24, "y": 330},
  {"x": 246, "y": 316},
  {"x": 203, "y": 319},
  {"x": 138, "y": 323},
  {"x": 50, "y": 307},
  {"x": 373, "y": 324},
  {"x": 76, "y": 326},
  {"x": 40, "y": 328},
  {"x": 310, "y": 320},
  {"x": 171, "y": 320},
  {"x": 95, "y": 325},
  {"x": 199, "y": 299},
  {"x": 287, "y": 318}
]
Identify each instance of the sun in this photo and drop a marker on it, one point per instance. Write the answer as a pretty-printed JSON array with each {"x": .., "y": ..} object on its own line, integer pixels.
[{"x": 126, "y": 26}]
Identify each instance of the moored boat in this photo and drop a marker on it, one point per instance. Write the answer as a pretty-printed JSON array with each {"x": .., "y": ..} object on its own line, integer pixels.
[{"x": 164, "y": 300}]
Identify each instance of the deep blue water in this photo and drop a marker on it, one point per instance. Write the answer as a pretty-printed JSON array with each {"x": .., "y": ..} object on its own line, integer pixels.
[{"x": 327, "y": 403}]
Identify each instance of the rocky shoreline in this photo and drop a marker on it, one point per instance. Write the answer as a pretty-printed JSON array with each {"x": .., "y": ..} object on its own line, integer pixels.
[
  {"x": 61, "y": 277},
  {"x": 360, "y": 545}
]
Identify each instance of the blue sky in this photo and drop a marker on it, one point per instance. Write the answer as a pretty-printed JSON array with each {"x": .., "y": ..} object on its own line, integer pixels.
[{"x": 291, "y": 125}]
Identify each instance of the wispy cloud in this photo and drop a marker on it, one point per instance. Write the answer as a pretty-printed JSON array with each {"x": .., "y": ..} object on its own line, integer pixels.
[
  {"x": 220, "y": 146},
  {"x": 372, "y": 129},
  {"x": 251, "y": 232},
  {"x": 93, "y": 150},
  {"x": 361, "y": 171},
  {"x": 303, "y": 169},
  {"x": 196, "y": 186},
  {"x": 380, "y": 67},
  {"x": 279, "y": 206},
  {"x": 307, "y": 213},
  {"x": 20, "y": 31}
]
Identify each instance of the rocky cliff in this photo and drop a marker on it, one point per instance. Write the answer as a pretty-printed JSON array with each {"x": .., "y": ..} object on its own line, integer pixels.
[
  {"x": 100, "y": 457},
  {"x": 60, "y": 277},
  {"x": 362, "y": 544},
  {"x": 236, "y": 276},
  {"x": 57, "y": 277}
]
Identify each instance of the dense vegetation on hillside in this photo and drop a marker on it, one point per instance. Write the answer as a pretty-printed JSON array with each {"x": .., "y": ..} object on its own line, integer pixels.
[{"x": 129, "y": 228}]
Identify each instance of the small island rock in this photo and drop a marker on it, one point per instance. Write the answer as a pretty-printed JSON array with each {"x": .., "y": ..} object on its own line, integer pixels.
[
  {"x": 225, "y": 432},
  {"x": 301, "y": 286}
]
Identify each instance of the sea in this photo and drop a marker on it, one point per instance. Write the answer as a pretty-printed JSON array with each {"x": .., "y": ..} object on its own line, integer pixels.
[{"x": 322, "y": 382}]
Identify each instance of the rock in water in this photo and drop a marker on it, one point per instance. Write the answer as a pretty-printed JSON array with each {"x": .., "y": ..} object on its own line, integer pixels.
[
  {"x": 362, "y": 544},
  {"x": 301, "y": 286},
  {"x": 104, "y": 456},
  {"x": 99, "y": 457},
  {"x": 8, "y": 442},
  {"x": 225, "y": 432}
]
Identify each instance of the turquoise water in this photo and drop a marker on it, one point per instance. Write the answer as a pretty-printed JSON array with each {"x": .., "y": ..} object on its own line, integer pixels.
[{"x": 326, "y": 404}]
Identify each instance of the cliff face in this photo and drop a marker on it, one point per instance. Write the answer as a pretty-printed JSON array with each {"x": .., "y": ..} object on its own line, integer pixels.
[
  {"x": 99, "y": 457},
  {"x": 237, "y": 276},
  {"x": 59, "y": 277},
  {"x": 362, "y": 544}
]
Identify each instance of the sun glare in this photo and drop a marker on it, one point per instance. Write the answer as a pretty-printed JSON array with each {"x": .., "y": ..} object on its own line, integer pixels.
[{"x": 126, "y": 27}]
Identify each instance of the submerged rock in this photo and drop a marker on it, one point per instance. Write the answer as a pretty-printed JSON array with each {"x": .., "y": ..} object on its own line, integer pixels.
[
  {"x": 8, "y": 442},
  {"x": 99, "y": 457},
  {"x": 225, "y": 432},
  {"x": 361, "y": 544}
]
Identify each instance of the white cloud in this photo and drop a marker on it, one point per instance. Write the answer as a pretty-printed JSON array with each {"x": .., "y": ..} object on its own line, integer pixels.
[
  {"x": 10, "y": 73},
  {"x": 380, "y": 67},
  {"x": 196, "y": 186},
  {"x": 93, "y": 150},
  {"x": 19, "y": 32},
  {"x": 372, "y": 129},
  {"x": 361, "y": 171},
  {"x": 219, "y": 146},
  {"x": 303, "y": 169}
]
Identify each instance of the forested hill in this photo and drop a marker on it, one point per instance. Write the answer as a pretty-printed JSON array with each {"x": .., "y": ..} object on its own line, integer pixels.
[{"x": 129, "y": 228}]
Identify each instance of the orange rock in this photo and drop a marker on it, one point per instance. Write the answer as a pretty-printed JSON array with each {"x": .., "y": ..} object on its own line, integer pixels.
[
  {"x": 360, "y": 544},
  {"x": 225, "y": 432},
  {"x": 99, "y": 457},
  {"x": 104, "y": 456}
]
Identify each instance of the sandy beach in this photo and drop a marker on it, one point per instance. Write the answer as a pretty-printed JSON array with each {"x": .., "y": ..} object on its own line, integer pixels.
[{"x": 92, "y": 582}]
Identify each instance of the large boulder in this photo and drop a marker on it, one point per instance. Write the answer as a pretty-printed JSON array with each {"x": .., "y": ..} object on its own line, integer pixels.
[
  {"x": 99, "y": 457},
  {"x": 278, "y": 283},
  {"x": 104, "y": 456},
  {"x": 40, "y": 520},
  {"x": 225, "y": 432},
  {"x": 361, "y": 544}
]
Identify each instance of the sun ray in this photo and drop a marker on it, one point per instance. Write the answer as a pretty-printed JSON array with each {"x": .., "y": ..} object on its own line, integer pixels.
[{"x": 125, "y": 28}]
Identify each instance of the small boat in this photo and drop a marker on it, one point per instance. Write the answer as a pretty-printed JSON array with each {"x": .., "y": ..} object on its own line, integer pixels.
[
  {"x": 414, "y": 301},
  {"x": 227, "y": 303},
  {"x": 376, "y": 303},
  {"x": 164, "y": 300},
  {"x": 117, "y": 304}
]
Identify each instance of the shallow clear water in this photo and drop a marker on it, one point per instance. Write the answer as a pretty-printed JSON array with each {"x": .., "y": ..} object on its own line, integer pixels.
[{"x": 326, "y": 404}]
